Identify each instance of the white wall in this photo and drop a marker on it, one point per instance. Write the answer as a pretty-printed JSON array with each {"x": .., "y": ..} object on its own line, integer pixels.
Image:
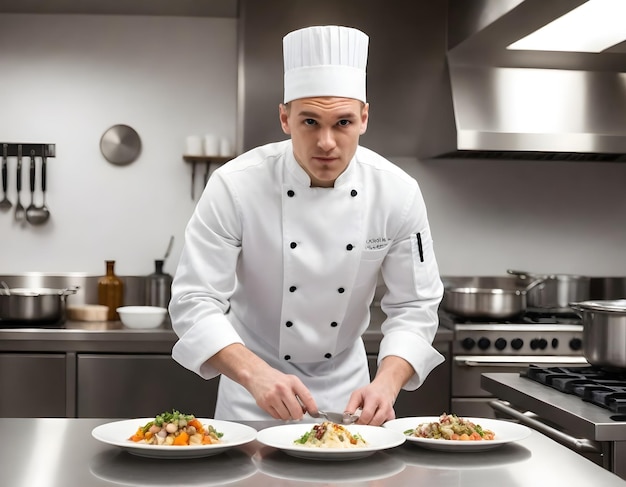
[
  {"x": 65, "y": 79},
  {"x": 537, "y": 216}
]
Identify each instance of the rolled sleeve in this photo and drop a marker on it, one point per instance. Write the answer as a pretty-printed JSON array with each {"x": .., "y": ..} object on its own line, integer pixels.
[{"x": 422, "y": 356}]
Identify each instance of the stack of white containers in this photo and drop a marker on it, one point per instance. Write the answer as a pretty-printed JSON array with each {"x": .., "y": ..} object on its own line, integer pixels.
[{"x": 211, "y": 145}]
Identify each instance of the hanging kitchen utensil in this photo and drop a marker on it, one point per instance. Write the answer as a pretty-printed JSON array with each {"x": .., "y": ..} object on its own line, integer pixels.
[
  {"x": 20, "y": 212},
  {"x": 35, "y": 215},
  {"x": 31, "y": 210},
  {"x": 207, "y": 172},
  {"x": 120, "y": 144},
  {"x": 5, "y": 204},
  {"x": 44, "y": 211},
  {"x": 193, "y": 180}
]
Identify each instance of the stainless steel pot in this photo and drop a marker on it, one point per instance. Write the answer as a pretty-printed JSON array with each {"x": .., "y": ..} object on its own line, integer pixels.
[
  {"x": 33, "y": 305},
  {"x": 556, "y": 291},
  {"x": 491, "y": 298},
  {"x": 604, "y": 332}
]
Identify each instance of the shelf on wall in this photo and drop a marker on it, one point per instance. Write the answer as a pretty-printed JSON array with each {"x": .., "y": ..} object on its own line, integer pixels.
[{"x": 216, "y": 159}]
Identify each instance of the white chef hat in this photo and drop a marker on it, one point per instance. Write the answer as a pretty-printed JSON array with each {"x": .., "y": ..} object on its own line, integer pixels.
[{"x": 325, "y": 61}]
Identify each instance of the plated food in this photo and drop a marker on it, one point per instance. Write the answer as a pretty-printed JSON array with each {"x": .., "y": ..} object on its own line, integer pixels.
[
  {"x": 284, "y": 438},
  {"x": 451, "y": 427},
  {"x": 330, "y": 435},
  {"x": 176, "y": 429},
  {"x": 118, "y": 434},
  {"x": 504, "y": 431}
]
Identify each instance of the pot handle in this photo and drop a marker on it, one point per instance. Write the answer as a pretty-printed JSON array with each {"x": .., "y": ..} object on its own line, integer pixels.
[
  {"x": 530, "y": 275},
  {"x": 535, "y": 283},
  {"x": 522, "y": 274},
  {"x": 576, "y": 307},
  {"x": 70, "y": 290}
]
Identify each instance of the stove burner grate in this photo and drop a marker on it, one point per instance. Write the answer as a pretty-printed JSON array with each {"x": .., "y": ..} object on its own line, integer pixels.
[{"x": 598, "y": 386}]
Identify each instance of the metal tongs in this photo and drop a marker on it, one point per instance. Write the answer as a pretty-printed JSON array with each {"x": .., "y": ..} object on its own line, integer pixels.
[{"x": 340, "y": 418}]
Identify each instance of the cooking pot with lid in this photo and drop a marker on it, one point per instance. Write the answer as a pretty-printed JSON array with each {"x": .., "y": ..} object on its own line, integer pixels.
[
  {"x": 556, "y": 291},
  {"x": 38, "y": 306},
  {"x": 604, "y": 332}
]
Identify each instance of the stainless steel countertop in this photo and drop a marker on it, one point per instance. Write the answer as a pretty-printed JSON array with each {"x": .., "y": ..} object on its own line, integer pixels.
[
  {"x": 570, "y": 412},
  {"x": 113, "y": 337},
  {"x": 62, "y": 453}
]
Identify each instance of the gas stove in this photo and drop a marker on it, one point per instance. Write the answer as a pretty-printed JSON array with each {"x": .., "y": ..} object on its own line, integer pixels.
[{"x": 604, "y": 388}]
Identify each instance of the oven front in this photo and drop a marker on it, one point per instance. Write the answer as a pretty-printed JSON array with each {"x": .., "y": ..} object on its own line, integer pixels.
[{"x": 507, "y": 348}]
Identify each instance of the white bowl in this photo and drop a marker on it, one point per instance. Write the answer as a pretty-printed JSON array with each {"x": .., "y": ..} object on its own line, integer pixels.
[{"x": 142, "y": 316}]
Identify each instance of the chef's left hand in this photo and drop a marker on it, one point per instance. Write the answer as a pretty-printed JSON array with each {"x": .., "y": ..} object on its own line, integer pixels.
[{"x": 376, "y": 400}]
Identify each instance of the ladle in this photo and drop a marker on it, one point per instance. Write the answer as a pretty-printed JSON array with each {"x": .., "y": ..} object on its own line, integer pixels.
[
  {"x": 30, "y": 210},
  {"x": 36, "y": 215},
  {"x": 19, "y": 209},
  {"x": 5, "y": 204}
]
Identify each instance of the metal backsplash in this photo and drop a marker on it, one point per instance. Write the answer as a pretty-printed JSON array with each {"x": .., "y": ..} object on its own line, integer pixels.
[{"x": 134, "y": 286}]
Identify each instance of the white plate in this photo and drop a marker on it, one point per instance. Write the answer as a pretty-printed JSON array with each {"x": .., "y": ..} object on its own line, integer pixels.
[
  {"x": 505, "y": 431},
  {"x": 283, "y": 437},
  {"x": 118, "y": 432}
]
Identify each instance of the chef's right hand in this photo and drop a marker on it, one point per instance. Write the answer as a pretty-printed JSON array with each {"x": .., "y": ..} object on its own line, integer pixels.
[
  {"x": 278, "y": 393},
  {"x": 273, "y": 391}
]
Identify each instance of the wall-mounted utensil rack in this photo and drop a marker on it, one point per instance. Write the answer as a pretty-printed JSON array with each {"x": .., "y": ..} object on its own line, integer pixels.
[
  {"x": 40, "y": 150},
  {"x": 33, "y": 213},
  {"x": 207, "y": 161}
]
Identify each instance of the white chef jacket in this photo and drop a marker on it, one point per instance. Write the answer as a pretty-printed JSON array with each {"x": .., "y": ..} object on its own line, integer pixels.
[{"x": 290, "y": 270}]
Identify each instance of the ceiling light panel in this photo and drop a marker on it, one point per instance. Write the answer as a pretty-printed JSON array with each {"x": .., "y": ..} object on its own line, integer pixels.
[{"x": 592, "y": 27}]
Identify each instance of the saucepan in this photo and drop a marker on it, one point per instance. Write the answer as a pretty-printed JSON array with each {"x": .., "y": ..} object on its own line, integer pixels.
[
  {"x": 33, "y": 305},
  {"x": 557, "y": 291},
  {"x": 604, "y": 332},
  {"x": 490, "y": 298}
]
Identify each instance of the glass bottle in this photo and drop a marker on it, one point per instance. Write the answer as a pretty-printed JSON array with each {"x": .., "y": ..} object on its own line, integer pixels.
[
  {"x": 111, "y": 291},
  {"x": 158, "y": 286}
]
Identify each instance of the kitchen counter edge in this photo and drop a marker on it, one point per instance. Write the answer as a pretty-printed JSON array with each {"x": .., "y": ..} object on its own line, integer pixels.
[{"x": 113, "y": 337}]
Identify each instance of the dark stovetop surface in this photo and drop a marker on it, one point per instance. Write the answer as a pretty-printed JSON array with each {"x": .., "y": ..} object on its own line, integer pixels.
[{"x": 604, "y": 388}]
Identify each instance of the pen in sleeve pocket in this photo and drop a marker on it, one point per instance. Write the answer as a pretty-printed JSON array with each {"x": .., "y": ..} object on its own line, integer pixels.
[{"x": 419, "y": 246}]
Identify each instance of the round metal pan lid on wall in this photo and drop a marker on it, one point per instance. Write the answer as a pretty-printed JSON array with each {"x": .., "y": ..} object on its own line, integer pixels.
[{"x": 120, "y": 144}]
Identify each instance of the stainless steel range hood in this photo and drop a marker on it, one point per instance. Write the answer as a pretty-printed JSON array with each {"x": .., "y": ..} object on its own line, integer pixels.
[{"x": 505, "y": 104}]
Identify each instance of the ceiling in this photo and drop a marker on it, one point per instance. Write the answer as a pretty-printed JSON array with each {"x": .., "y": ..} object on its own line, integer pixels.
[{"x": 184, "y": 8}]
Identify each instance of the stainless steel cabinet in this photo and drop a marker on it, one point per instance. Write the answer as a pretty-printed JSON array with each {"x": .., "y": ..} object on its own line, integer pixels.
[
  {"x": 432, "y": 398},
  {"x": 133, "y": 385},
  {"x": 33, "y": 385}
]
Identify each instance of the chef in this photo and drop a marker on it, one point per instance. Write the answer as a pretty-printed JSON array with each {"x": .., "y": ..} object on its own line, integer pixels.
[{"x": 286, "y": 246}]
